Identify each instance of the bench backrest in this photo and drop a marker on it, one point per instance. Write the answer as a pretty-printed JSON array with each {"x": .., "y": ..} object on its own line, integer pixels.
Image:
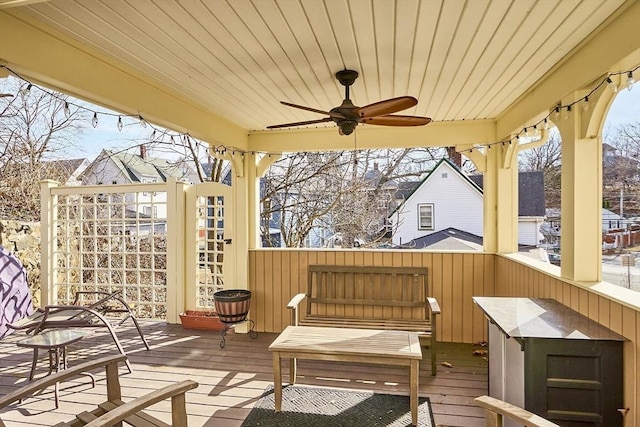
[{"x": 376, "y": 292}]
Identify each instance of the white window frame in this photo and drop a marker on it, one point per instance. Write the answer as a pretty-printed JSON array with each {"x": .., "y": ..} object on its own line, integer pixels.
[{"x": 429, "y": 226}]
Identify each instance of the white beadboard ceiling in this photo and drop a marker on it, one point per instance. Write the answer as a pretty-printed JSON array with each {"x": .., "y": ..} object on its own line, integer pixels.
[{"x": 463, "y": 60}]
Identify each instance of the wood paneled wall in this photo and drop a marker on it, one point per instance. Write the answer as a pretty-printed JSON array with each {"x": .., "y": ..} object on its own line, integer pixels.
[
  {"x": 520, "y": 280},
  {"x": 277, "y": 275}
]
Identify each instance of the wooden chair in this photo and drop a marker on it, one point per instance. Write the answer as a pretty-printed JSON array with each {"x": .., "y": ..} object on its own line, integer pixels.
[{"x": 113, "y": 411}]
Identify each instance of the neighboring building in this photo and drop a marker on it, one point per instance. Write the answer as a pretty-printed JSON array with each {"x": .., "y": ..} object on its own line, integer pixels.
[
  {"x": 531, "y": 206},
  {"x": 448, "y": 200},
  {"x": 445, "y": 198},
  {"x": 67, "y": 171},
  {"x": 149, "y": 208}
]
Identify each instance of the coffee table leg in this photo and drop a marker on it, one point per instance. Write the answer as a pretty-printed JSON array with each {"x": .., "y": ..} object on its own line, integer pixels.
[
  {"x": 415, "y": 374},
  {"x": 277, "y": 381},
  {"x": 293, "y": 368}
]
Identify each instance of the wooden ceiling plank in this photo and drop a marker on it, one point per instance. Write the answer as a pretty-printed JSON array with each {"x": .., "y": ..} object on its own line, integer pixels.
[
  {"x": 366, "y": 89},
  {"x": 405, "y": 42},
  {"x": 448, "y": 22},
  {"x": 480, "y": 80},
  {"x": 385, "y": 24},
  {"x": 296, "y": 36},
  {"x": 546, "y": 53},
  {"x": 425, "y": 32},
  {"x": 479, "y": 44},
  {"x": 463, "y": 39}
]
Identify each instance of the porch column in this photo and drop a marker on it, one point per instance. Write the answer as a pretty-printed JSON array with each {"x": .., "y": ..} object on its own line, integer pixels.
[
  {"x": 500, "y": 194},
  {"x": 581, "y": 211}
]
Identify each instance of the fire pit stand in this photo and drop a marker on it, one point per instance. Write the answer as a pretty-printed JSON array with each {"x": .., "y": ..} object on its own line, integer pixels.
[{"x": 232, "y": 307}]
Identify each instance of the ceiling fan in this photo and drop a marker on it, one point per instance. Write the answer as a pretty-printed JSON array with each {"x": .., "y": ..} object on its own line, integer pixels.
[{"x": 347, "y": 116}]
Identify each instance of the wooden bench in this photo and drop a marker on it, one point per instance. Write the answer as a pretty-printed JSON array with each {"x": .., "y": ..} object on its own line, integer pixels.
[
  {"x": 113, "y": 411},
  {"x": 393, "y": 298}
]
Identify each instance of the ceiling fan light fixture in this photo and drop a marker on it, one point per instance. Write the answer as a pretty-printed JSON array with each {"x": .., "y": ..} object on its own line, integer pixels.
[{"x": 347, "y": 116}]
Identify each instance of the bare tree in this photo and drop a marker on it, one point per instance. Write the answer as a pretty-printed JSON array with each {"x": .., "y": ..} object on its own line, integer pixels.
[
  {"x": 546, "y": 158},
  {"x": 621, "y": 170},
  {"x": 350, "y": 193},
  {"x": 34, "y": 128}
]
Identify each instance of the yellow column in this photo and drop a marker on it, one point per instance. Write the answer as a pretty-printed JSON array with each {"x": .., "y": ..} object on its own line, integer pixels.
[
  {"x": 581, "y": 200},
  {"x": 501, "y": 200}
]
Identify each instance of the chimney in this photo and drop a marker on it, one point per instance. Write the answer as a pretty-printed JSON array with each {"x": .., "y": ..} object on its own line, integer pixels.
[
  {"x": 454, "y": 156},
  {"x": 143, "y": 151}
]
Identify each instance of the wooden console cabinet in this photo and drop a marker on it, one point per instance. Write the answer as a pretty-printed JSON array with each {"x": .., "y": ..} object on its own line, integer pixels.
[{"x": 553, "y": 361}]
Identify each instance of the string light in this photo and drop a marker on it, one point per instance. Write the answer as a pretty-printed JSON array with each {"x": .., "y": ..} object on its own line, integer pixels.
[
  {"x": 24, "y": 93},
  {"x": 530, "y": 131},
  {"x": 630, "y": 80}
]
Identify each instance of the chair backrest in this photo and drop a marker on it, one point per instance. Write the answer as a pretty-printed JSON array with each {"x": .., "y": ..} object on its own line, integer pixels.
[{"x": 15, "y": 297}]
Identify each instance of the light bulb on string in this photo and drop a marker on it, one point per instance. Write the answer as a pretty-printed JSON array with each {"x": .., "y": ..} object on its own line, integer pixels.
[
  {"x": 630, "y": 80},
  {"x": 557, "y": 113},
  {"x": 546, "y": 123},
  {"x": 173, "y": 141},
  {"x": 153, "y": 135},
  {"x": 585, "y": 104},
  {"x": 567, "y": 113},
  {"x": 67, "y": 110},
  {"x": 143, "y": 122},
  {"x": 536, "y": 132},
  {"x": 612, "y": 85},
  {"x": 24, "y": 93},
  {"x": 94, "y": 121},
  {"x": 120, "y": 123}
]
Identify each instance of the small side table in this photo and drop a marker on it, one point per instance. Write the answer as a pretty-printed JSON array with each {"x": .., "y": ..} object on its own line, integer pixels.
[{"x": 56, "y": 342}]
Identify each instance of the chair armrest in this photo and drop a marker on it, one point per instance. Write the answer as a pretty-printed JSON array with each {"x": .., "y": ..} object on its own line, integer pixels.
[
  {"x": 513, "y": 412},
  {"x": 133, "y": 407},
  {"x": 295, "y": 301},
  {"x": 433, "y": 305},
  {"x": 42, "y": 383},
  {"x": 293, "y": 306}
]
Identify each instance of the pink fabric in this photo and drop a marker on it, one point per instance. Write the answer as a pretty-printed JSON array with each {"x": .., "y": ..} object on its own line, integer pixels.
[{"x": 15, "y": 298}]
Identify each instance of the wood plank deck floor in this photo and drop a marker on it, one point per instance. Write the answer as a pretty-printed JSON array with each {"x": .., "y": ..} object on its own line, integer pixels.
[{"x": 233, "y": 378}]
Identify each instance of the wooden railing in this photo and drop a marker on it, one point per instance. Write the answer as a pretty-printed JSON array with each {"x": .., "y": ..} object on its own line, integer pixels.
[{"x": 496, "y": 410}]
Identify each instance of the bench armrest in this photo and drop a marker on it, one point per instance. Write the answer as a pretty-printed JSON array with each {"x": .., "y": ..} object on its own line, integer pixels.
[
  {"x": 37, "y": 385},
  {"x": 293, "y": 306},
  {"x": 174, "y": 391},
  {"x": 433, "y": 305},
  {"x": 494, "y": 407}
]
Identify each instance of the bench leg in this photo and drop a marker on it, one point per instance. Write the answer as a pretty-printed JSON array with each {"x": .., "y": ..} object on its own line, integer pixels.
[
  {"x": 413, "y": 400},
  {"x": 277, "y": 381}
]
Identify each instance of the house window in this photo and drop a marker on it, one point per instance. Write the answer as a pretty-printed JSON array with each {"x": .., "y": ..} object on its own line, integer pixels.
[
  {"x": 425, "y": 216},
  {"x": 147, "y": 210}
]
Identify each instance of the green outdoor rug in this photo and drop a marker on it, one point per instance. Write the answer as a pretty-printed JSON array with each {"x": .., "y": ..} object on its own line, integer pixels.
[{"x": 324, "y": 407}]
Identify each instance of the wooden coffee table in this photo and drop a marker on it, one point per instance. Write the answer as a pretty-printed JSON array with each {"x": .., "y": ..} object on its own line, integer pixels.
[{"x": 347, "y": 345}]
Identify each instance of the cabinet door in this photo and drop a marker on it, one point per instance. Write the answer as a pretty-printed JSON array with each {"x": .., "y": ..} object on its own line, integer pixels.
[{"x": 574, "y": 383}]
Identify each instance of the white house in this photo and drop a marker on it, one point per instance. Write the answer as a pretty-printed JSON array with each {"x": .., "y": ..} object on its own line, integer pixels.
[
  {"x": 111, "y": 168},
  {"x": 449, "y": 199}
]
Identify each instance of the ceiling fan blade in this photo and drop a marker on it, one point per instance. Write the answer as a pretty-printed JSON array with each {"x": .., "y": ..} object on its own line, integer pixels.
[
  {"x": 308, "y": 122},
  {"x": 388, "y": 106},
  {"x": 302, "y": 107},
  {"x": 391, "y": 120}
]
